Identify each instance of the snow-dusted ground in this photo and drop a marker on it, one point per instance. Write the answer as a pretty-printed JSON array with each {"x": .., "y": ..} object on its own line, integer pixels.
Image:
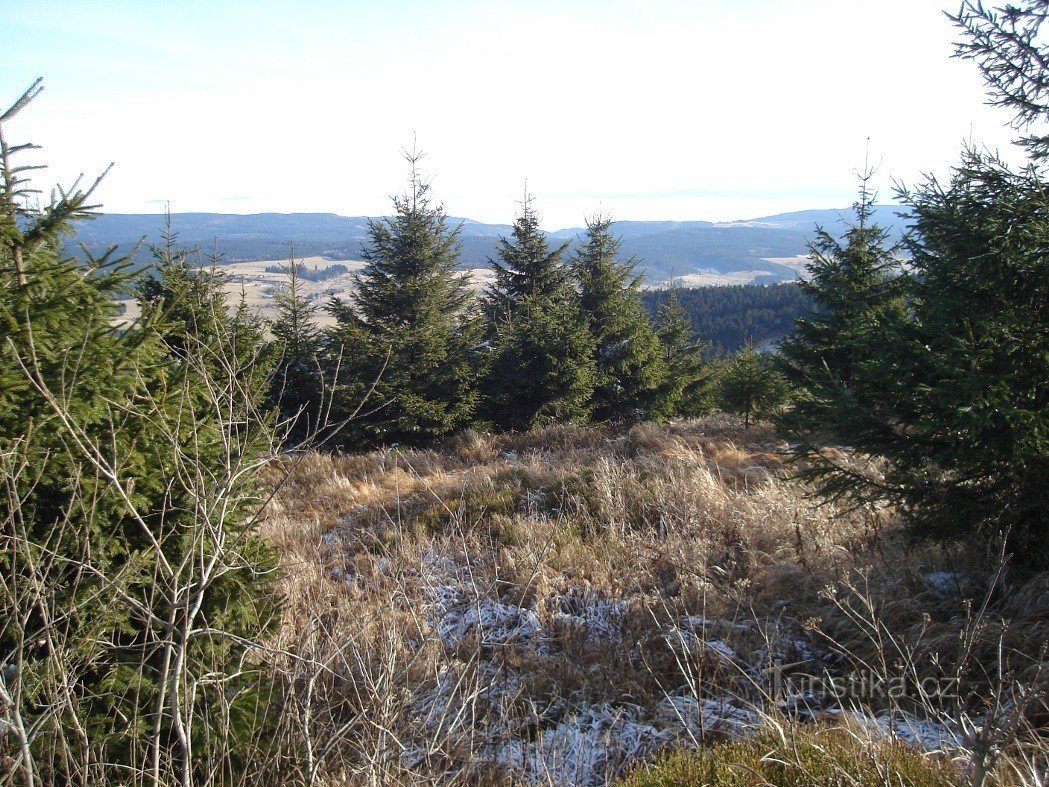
[
  {"x": 576, "y": 742},
  {"x": 556, "y": 607}
]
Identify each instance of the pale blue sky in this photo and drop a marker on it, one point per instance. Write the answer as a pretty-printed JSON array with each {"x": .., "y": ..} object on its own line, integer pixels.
[{"x": 697, "y": 109}]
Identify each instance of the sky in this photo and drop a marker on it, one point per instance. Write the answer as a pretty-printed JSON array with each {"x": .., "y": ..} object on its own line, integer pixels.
[{"x": 639, "y": 109}]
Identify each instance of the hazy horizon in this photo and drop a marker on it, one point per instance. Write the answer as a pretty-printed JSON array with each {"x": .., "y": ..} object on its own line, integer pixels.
[{"x": 159, "y": 213}]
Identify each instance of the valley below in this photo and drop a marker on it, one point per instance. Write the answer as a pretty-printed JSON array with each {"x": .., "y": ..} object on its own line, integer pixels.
[{"x": 258, "y": 280}]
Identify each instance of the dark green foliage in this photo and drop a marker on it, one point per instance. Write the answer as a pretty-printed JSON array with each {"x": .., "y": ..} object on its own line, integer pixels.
[
  {"x": 631, "y": 374},
  {"x": 971, "y": 448},
  {"x": 297, "y": 389},
  {"x": 832, "y": 355},
  {"x": 541, "y": 353},
  {"x": 410, "y": 338},
  {"x": 347, "y": 357},
  {"x": 751, "y": 387},
  {"x": 526, "y": 268},
  {"x": 959, "y": 388},
  {"x": 313, "y": 274},
  {"x": 542, "y": 370},
  {"x": 183, "y": 297},
  {"x": 688, "y": 387},
  {"x": 131, "y": 579},
  {"x": 1012, "y": 54},
  {"x": 728, "y": 317},
  {"x": 952, "y": 387}
]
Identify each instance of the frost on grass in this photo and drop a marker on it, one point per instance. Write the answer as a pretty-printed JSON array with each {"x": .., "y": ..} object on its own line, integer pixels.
[
  {"x": 641, "y": 592},
  {"x": 461, "y": 612},
  {"x": 559, "y": 741},
  {"x": 693, "y": 634},
  {"x": 486, "y": 622},
  {"x": 927, "y": 734},
  {"x": 596, "y": 618},
  {"x": 951, "y": 585},
  {"x": 567, "y": 741},
  {"x": 590, "y": 748}
]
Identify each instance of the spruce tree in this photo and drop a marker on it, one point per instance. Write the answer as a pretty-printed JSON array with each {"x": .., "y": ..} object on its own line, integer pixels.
[
  {"x": 631, "y": 374},
  {"x": 542, "y": 370},
  {"x": 527, "y": 267},
  {"x": 956, "y": 390},
  {"x": 751, "y": 387},
  {"x": 688, "y": 387},
  {"x": 1009, "y": 46},
  {"x": 184, "y": 292},
  {"x": 952, "y": 387},
  {"x": 132, "y": 580},
  {"x": 541, "y": 362},
  {"x": 831, "y": 357},
  {"x": 411, "y": 335},
  {"x": 347, "y": 360},
  {"x": 297, "y": 389},
  {"x": 966, "y": 424}
]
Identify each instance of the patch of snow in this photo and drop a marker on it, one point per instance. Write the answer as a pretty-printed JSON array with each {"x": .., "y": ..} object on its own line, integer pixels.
[
  {"x": 489, "y": 623},
  {"x": 432, "y": 705},
  {"x": 720, "y": 647},
  {"x": 413, "y": 756},
  {"x": 928, "y": 734},
  {"x": 696, "y": 717},
  {"x": 444, "y": 598},
  {"x": 597, "y": 617},
  {"x": 949, "y": 585},
  {"x": 700, "y": 623},
  {"x": 686, "y": 640},
  {"x": 568, "y": 742},
  {"x": 347, "y": 576},
  {"x": 591, "y": 748},
  {"x": 788, "y": 652}
]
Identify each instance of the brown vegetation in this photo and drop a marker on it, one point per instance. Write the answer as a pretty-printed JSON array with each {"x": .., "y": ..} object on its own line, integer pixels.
[{"x": 551, "y": 606}]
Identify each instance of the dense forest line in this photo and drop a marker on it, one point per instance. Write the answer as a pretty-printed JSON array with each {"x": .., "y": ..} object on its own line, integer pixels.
[{"x": 728, "y": 317}]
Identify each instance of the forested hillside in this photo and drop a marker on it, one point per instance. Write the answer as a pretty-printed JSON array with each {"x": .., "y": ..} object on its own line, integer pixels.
[{"x": 729, "y": 317}]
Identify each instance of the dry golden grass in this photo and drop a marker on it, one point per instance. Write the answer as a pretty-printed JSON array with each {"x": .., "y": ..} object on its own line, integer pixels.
[{"x": 586, "y": 558}]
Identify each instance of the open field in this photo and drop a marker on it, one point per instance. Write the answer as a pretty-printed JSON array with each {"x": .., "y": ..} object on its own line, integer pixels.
[
  {"x": 560, "y": 606},
  {"x": 258, "y": 285},
  {"x": 711, "y": 279},
  {"x": 797, "y": 264}
]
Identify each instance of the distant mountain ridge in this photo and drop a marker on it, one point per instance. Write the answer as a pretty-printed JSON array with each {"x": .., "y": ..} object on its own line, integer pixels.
[
  {"x": 665, "y": 248},
  {"x": 887, "y": 216}
]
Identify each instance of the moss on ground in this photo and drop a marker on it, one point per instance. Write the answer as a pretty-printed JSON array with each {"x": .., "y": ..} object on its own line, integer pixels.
[{"x": 803, "y": 758}]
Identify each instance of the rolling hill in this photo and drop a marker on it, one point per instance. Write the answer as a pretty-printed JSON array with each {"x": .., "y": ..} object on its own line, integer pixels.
[{"x": 665, "y": 249}]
